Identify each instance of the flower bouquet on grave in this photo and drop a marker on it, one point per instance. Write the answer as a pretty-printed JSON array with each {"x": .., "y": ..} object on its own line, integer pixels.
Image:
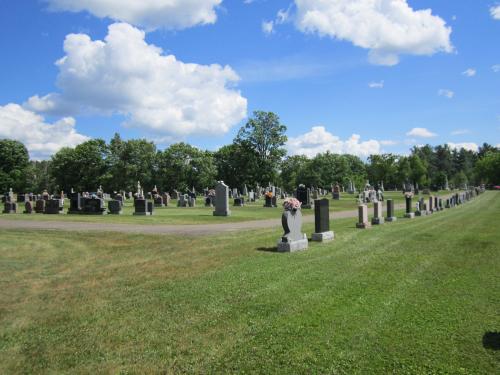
[
  {"x": 269, "y": 194},
  {"x": 292, "y": 204}
]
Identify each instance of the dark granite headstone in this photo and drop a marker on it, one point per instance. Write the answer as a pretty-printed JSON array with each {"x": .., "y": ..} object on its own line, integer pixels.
[
  {"x": 10, "y": 208},
  {"x": 75, "y": 204},
  {"x": 408, "y": 204},
  {"x": 28, "y": 207},
  {"x": 321, "y": 215},
  {"x": 93, "y": 206},
  {"x": 40, "y": 206},
  {"x": 53, "y": 207},
  {"x": 115, "y": 207}
]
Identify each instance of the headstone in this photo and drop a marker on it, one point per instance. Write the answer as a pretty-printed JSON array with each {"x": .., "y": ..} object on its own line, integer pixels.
[
  {"x": 191, "y": 201},
  {"x": 40, "y": 206},
  {"x": 28, "y": 207},
  {"x": 336, "y": 192},
  {"x": 303, "y": 195},
  {"x": 93, "y": 206},
  {"x": 182, "y": 201},
  {"x": 390, "y": 211},
  {"x": 293, "y": 239},
  {"x": 363, "y": 222},
  {"x": 322, "y": 232},
  {"x": 141, "y": 207},
  {"x": 158, "y": 201},
  {"x": 409, "y": 214},
  {"x": 166, "y": 199},
  {"x": 75, "y": 203},
  {"x": 53, "y": 207},
  {"x": 150, "y": 207},
  {"x": 378, "y": 217},
  {"x": 115, "y": 207},
  {"x": 221, "y": 200},
  {"x": 239, "y": 202},
  {"x": 9, "y": 207}
]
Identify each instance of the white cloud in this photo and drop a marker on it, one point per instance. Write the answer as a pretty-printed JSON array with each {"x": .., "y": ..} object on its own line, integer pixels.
[
  {"x": 460, "y": 132},
  {"x": 267, "y": 27},
  {"x": 125, "y": 75},
  {"x": 388, "y": 28},
  {"x": 40, "y": 138},
  {"x": 421, "y": 132},
  {"x": 495, "y": 12},
  {"x": 150, "y": 14},
  {"x": 376, "y": 85},
  {"x": 319, "y": 140},
  {"x": 446, "y": 93},
  {"x": 470, "y": 72},
  {"x": 388, "y": 143},
  {"x": 496, "y": 68},
  {"x": 469, "y": 146}
]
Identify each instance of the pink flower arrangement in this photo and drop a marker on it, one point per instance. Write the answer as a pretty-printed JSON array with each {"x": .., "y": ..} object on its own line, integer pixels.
[{"x": 292, "y": 204}]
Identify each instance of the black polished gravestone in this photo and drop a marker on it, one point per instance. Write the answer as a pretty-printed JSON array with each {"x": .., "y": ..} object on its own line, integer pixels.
[
  {"x": 143, "y": 208},
  {"x": 409, "y": 214},
  {"x": 53, "y": 207},
  {"x": 322, "y": 230},
  {"x": 390, "y": 211},
  {"x": 40, "y": 206},
  {"x": 115, "y": 207},
  {"x": 9, "y": 208},
  {"x": 93, "y": 206},
  {"x": 75, "y": 204}
]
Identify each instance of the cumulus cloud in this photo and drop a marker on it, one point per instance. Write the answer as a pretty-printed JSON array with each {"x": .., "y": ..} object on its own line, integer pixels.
[
  {"x": 460, "y": 132},
  {"x": 496, "y": 68},
  {"x": 469, "y": 72},
  {"x": 376, "y": 85},
  {"x": 150, "y": 14},
  {"x": 495, "y": 12},
  {"x": 40, "y": 138},
  {"x": 125, "y": 75},
  {"x": 446, "y": 93},
  {"x": 267, "y": 27},
  {"x": 421, "y": 132},
  {"x": 469, "y": 146},
  {"x": 388, "y": 28},
  {"x": 319, "y": 140}
]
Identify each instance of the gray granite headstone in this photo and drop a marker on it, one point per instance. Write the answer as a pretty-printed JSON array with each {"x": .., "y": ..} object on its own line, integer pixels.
[{"x": 221, "y": 200}]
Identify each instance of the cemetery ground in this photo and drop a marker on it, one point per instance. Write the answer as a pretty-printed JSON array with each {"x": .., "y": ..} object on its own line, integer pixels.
[
  {"x": 200, "y": 214},
  {"x": 409, "y": 297}
]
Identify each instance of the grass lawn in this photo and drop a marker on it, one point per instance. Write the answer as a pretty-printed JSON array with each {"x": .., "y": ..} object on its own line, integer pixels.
[
  {"x": 410, "y": 297},
  {"x": 197, "y": 215}
]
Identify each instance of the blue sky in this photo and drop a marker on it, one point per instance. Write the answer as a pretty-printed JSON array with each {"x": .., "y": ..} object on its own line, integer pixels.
[{"x": 357, "y": 76}]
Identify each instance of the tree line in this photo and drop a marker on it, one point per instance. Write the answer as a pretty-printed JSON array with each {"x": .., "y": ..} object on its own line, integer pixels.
[{"x": 256, "y": 156}]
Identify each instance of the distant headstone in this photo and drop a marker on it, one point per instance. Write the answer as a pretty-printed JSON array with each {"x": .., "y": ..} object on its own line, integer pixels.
[
  {"x": 239, "y": 202},
  {"x": 409, "y": 214},
  {"x": 221, "y": 200},
  {"x": 322, "y": 232},
  {"x": 158, "y": 201},
  {"x": 53, "y": 207},
  {"x": 115, "y": 207},
  {"x": 40, "y": 206},
  {"x": 9, "y": 207},
  {"x": 378, "y": 217},
  {"x": 93, "y": 206},
  {"x": 75, "y": 203},
  {"x": 336, "y": 192},
  {"x": 390, "y": 211},
  {"x": 363, "y": 222},
  {"x": 141, "y": 207},
  {"x": 28, "y": 207}
]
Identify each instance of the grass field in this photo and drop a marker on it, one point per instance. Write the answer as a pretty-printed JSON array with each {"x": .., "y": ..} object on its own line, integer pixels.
[
  {"x": 410, "y": 297},
  {"x": 197, "y": 215}
]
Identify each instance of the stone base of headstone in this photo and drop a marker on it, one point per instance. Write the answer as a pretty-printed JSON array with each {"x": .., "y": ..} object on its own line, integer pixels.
[
  {"x": 391, "y": 218},
  {"x": 377, "y": 220},
  {"x": 225, "y": 213},
  {"x": 365, "y": 225},
  {"x": 10, "y": 208},
  {"x": 142, "y": 213},
  {"x": 323, "y": 237},
  {"x": 292, "y": 246},
  {"x": 410, "y": 215}
]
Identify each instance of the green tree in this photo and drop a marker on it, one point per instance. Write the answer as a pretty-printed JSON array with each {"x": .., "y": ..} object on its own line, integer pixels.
[
  {"x": 14, "y": 165},
  {"x": 488, "y": 168},
  {"x": 265, "y": 136}
]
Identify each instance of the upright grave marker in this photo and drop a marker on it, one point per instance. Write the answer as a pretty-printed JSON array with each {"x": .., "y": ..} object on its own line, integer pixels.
[
  {"x": 390, "y": 211},
  {"x": 222, "y": 200},
  {"x": 378, "y": 217},
  {"x": 363, "y": 222},
  {"x": 322, "y": 232},
  {"x": 293, "y": 239}
]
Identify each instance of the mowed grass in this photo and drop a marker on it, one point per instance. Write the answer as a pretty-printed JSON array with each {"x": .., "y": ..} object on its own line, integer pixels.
[
  {"x": 410, "y": 297},
  {"x": 199, "y": 214}
]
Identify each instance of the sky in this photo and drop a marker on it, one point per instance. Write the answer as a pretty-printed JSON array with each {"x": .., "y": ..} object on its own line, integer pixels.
[{"x": 347, "y": 76}]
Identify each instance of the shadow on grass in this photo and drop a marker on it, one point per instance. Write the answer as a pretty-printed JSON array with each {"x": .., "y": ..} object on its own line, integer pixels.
[
  {"x": 268, "y": 249},
  {"x": 491, "y": 340}
]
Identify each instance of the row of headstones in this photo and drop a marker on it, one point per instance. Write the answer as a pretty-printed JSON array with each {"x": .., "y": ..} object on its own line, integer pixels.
[{"x": 294, "y": 240}]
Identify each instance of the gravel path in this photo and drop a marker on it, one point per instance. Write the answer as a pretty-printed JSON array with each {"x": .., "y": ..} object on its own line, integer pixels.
[{"x": 191, "y": 230}]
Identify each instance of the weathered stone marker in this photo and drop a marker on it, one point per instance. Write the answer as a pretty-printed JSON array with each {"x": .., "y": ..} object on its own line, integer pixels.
[
  {"x": 28, "y": 207},
  {"x": 390, "y": 211},
  {"x": 363, "y": 222},
  {"x": 293, "y": 239},
  {"x": 141, "y": 207},
  {"x": 409, "y": 214},
  {"x": 221, "y": 200},
  {"x": 322, "y": 232},
  {"x": 115, "y": 207},
  {"x": 378, "y": 217}
]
